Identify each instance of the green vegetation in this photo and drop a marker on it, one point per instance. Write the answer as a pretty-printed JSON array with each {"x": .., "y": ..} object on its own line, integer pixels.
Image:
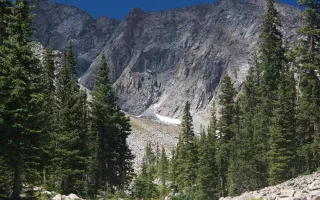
[
  {"x": 270, "y": 132},
  {"x": 52, "y": 137},
  {"x": 46, "y": 139}
]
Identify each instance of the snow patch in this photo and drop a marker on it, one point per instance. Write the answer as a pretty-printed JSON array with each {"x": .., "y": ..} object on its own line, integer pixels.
[
  {"x": 168, "y": 119},
  {"x": 165, "y": 119}
]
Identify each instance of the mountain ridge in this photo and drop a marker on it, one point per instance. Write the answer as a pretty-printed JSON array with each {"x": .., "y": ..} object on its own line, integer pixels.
[{"x": 166, "y": 58}]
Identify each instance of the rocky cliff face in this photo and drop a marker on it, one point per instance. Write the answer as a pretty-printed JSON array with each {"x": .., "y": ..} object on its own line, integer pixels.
[
  {"x": 58, "y": 24},
  {"x": 158, "y": 61}
]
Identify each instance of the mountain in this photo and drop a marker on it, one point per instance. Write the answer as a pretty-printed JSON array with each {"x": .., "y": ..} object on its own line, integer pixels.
[
  {"x": 159, "y": 60},
  {"x": 57, "y": 24}
]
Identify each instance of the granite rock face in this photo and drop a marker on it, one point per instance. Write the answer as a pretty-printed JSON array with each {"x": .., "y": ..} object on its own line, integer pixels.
[
  {"x": 158, "y": 61},
  {"x": 301, "y": 188},
  {"x": 58, "y": 24}
]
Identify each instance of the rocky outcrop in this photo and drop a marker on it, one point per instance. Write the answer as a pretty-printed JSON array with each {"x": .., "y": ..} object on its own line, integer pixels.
[
  {"x": 39, "y": 52},
  {"x": 57, "y": 24},
  {"x": 158, "y": 61},
  {"x": 302, "y": 188}
]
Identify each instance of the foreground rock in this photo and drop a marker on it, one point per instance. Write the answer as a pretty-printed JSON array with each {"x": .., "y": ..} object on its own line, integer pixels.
[
  {"x": 302, "y": 188},
  {"x": 63, "y": 197}
]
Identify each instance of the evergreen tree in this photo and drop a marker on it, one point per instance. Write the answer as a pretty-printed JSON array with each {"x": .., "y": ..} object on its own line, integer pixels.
[
  {"x": 4, "y": 10},
  {"x": 235, "y": 148},
  {"x": 309, "y": 84},
  {"x": 186, "y": 152},
  {"x": 21, "y": 99},
  {"x": 270, "y": 63},
  {"x": 71, "y": 151},
  {"x": 163, "y": 168},
  {"x": 47, "y": 80},
  {"x": 158, "y": 157},
  {"x": 144, "y": 188},
  {"x": 225, "y": 132},
  {"x": 271, "y": 49},
  {"x": 173, "y": 170},
  {"x": 282, "y": 134},
  {"x": 207, "y": 181},
  {"x": 5, "y": 176},
  {"x": 248, "y": 174},
  {"x": 112, "y": 161}
]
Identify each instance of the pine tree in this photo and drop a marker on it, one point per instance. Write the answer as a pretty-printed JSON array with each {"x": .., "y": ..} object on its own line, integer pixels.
[
  {"x": 144, "y": 188},
  {"x": 271, "y": 60},
  {"x": 271, "y": 48},
  {"x": 248, "y": 174},
  {"x": 235, "y": 153},
  {"x": 163, "y": 168},
  {"x": 4, "y": 10},
  {"x": 309, "y": 84},
  {"x": 47, "y": 80},
  {"x": 225, "y": 132},
  {"x": 186, "y": 152},
  {"x": 71, "y": 131},
  {"x": 207, "y": 181},
  {"x": 112, "y": 161},
  {"x": 158, "y": 157},
  {"x": 5, "y": 176},
  {"x": 282, "y": 134},
  {"x": 21, "y": 99},
  {"x": 173, "y": 170}
]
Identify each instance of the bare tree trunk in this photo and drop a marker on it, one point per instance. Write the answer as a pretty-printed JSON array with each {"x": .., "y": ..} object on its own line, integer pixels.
[{"x": 16, "y": 184}]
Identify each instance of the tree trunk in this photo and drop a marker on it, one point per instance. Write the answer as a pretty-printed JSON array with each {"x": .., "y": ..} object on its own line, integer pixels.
[{"x": 16, "y": 184}]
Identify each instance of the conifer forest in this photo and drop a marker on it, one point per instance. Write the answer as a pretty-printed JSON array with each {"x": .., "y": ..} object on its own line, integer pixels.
[{"x": 54, "y": 137}]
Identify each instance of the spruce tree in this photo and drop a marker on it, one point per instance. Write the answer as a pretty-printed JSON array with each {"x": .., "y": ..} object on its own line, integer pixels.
[
  {"x": 71, "y": 132},
  {"x": 235, "y": 153},
  {"x": 4, "y": 10},
  {"x": 271, "y": 48},
  {"x": 47, "y": 81},
  {"x": 21, "y": 99},
  {"x": 207, "y": 179},
  {"x": 144, "y": 188},
  {"x": 309, "y": 84},
  {"x": 282, "y": 132},
  {"x": 173, "y": 171},
  {"x": 112, "y": 161},
  {"x": 186, "y": 152},
  {"x": 271, "y": 60},
  {"x": 163, "y": 169},
  {"x": 5, "y": 176},
  {"x": 225, "y": 132},
  {"x": 247, "y": 174}
]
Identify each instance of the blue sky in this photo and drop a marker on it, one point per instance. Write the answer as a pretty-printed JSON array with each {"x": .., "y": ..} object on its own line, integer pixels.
[{"x": 118, "y": 9}]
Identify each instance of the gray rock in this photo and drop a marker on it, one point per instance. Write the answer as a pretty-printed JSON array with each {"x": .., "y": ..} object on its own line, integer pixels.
[
  {"x": 298, "y": 194},
  {"x": 160, "y": 60},
  {"x": 316, "y": 198},
  {"x": 315, "y": 185},
  {"x": 58, "y": 24},
  {"x": 315, "y": 194},
  {"x": 288, "y": 192},
  {"x": 300, "y": 190}
]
